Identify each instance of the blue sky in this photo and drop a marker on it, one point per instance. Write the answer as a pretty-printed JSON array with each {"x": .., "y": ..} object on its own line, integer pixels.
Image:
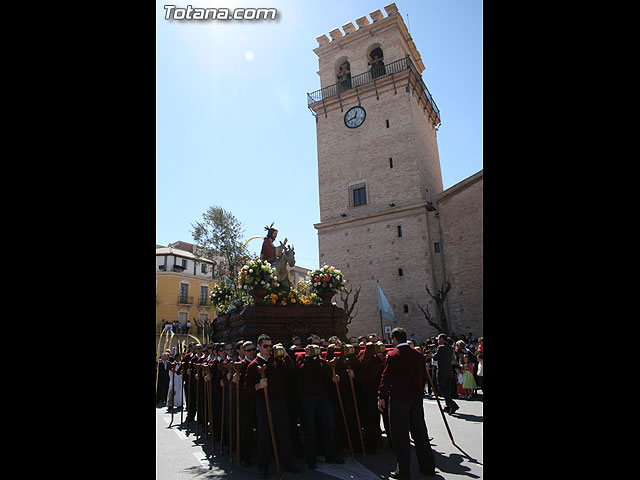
[{"x": 232, "y": 124}]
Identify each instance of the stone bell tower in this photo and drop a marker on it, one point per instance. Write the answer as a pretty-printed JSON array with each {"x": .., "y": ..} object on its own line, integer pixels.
[{"x": 378, "y": 169}]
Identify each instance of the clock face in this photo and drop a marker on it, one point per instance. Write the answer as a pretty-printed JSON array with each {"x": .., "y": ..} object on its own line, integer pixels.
[{"x": 354, "y": 117}]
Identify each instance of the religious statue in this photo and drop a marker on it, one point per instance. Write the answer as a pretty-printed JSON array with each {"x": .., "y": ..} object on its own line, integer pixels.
[
  {"x": 279, "y": 257},
  {"x": 270, "y": 252}
]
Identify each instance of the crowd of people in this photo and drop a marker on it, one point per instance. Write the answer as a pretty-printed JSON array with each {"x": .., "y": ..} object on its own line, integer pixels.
[
  {"x": 324, "y": 398},
  {"x": 175, "y": 327}
]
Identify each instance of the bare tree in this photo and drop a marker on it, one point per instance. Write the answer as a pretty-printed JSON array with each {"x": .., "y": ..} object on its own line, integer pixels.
[
  {"x": 440, "y": 323},
  {"x": 348, "y": 309}
]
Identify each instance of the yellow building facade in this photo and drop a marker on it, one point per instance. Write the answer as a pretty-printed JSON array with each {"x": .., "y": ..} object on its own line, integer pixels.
[{"x": 183, "y": 289}]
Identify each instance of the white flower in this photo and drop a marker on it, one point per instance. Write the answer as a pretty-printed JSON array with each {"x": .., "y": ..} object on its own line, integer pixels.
[
  {"x": 251, "y": 270},
  {"x": 261, "y": 282}
]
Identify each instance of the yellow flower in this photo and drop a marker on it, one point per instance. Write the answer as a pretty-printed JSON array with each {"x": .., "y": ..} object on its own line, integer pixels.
[
  {"x": 283, "y": 302},
  {"x": 293, "y": 300}
]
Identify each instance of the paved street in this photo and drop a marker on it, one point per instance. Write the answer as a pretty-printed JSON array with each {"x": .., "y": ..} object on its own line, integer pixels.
[{"x": 180, "y": 455}]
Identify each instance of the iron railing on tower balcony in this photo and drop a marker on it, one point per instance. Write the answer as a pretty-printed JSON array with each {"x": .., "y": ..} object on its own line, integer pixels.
[{"x": 370, "y": 76}]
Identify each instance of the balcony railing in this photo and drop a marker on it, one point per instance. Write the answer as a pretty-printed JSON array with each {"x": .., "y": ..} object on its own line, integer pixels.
[
  {"x": 375, "y": 74},
  {"x": 185, "y": 300}
]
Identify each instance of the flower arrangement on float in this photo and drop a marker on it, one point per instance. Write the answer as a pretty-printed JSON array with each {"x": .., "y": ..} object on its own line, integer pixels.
[
  {"x": 325, "y": 282},
  {"x": 298, "y": 295},
  {"x": 257, "y": 274},
  {"x": 326, "y": 279},
  {"x": 257, "y": 277},
  {"x": 221, "y": 296}
]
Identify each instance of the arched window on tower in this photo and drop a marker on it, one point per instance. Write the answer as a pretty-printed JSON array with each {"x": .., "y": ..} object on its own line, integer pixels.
[
  {"x": 376, "y": 62},
  {"x": 344, "y": 76}
]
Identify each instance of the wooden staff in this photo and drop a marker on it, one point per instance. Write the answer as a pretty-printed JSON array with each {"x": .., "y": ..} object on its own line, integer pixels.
[
  {"x": 355, "y": 403},
  {"x": 263, "y": 374},
  {"x": 236, "y": 369},
  {"x": 344, "y": 417},
  {"x": 173, "y": 391},
  {"x": 207, "y": 386},
  {"x": 197, "y": 368},
  {"x": 210, "y": 407},
  {"x": 229, "y": 369},
  {"x": 182, "y": 396},
  {"x": 438, "y": 401},
  {"x": 207, "y": 394},
  {"x": 221, "y": 368}
]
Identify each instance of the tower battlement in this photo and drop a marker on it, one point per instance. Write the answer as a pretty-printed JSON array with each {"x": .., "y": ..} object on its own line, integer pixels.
[{"x": 362, "y": 22}]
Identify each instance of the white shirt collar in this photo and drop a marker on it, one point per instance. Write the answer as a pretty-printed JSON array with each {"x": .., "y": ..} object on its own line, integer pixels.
[
  {"x": 402, "y": 344},
  {"x": 262, "y": 357}
]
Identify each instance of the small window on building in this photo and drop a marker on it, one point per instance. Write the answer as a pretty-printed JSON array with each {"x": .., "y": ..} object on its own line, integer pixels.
[
  {"x": 358, "y": 194},
  {"x": 204, "y": 290},
  {"x": 387, "y": 123},
  {"x": 399, "y": 230},
  {"x": 184, "y": 291},
  {"x": 436, "y": 246},
  {"x": 359, "y": 197},
  {"x": 400, "y": 272},
  {"x": 390, "y": 162},
  {"x": 405, "y": 308},
  {"x": 203, "y": 268}
]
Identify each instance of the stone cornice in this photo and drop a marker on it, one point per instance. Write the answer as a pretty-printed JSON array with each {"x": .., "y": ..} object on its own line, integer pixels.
[{"x": 370, "y": 216}]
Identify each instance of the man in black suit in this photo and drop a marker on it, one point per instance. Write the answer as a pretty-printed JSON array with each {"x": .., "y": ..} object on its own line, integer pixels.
[
  {"x": 163, "y": 379},
  {"x": 402, "y": 385},
  {"x": 444, "y": 376}
]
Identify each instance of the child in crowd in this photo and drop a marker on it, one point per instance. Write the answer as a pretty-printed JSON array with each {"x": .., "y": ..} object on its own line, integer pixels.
[
  {"x": 462, "y": 393},
  {"x": 468, "y": 382},
  {"x": 480, "y": 373}
]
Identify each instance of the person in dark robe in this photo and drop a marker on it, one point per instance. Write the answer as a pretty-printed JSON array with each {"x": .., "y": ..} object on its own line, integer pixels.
[
  {"x": 274, "y": 380},
  {"x": 367, "y": 380}
]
